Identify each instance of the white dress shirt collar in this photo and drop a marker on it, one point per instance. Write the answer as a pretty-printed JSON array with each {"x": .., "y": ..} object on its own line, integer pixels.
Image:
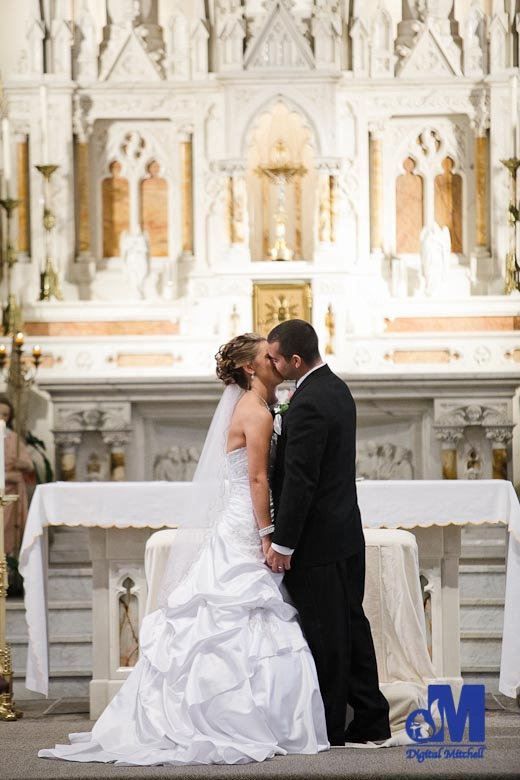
[{"x": 314, "y": 368}]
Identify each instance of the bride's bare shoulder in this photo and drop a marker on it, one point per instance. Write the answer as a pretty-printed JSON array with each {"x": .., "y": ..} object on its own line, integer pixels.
[{"x": 250, "y": 406}]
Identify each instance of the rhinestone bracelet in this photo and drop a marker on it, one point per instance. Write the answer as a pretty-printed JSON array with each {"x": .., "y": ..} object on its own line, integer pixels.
[{"x": 267, "y": 530}]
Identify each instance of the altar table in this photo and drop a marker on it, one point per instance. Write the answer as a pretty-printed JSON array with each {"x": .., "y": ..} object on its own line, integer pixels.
[{"x": 433, "y": 510}]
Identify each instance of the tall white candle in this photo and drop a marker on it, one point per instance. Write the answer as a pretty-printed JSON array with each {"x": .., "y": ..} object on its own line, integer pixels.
[
  {"x": 6, "y": 145},
  {"x": 2, "y": 455},
  {"x": 45, "y": 124}
]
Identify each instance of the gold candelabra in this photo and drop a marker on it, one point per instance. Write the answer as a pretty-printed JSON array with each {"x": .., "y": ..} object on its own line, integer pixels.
[
  {"x": 49, "y": 279},
  {"x": 20, "y": 378},
  {"x": 11, "y": 312},
  {"x": 281, "y": 172},
  {"x": 512, "y": 266},
  {"x": 8, "y": 710}
]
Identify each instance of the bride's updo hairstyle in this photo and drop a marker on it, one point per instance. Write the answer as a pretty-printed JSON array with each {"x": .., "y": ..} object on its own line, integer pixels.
[{"x": 233, "y": 356}]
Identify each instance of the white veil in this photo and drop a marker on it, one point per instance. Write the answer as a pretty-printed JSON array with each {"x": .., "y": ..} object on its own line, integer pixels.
[{"x": 208, "y": 498}]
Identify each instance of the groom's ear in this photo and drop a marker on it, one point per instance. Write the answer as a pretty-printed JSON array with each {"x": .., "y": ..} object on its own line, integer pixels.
[{"x": 297, "y": 361}]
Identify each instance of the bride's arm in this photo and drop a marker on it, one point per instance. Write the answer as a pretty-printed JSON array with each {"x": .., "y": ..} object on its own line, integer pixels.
[{"x": 258, "y": 429}]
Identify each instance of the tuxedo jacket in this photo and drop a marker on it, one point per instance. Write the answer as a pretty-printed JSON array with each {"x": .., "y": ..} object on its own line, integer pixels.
[{"x": 314, "y": 480}]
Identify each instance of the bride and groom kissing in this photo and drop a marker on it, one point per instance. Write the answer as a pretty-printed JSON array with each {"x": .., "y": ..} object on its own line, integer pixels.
[{"x": 229, "y": 672}]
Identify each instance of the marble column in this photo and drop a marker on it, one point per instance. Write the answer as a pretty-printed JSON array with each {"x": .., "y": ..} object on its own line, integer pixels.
[
  {"x": 500, "y": 438},
  {"x": 186, "y": 150},
  {"x": 83, "y": 194},
  {"x": 481, "y": 187},
  {"x": 67, "y": 444},
  {"x": 376, "y": 191},
  {"x": 22, "y": 166},
  {"x": 117, "y": 441},
  {"x": 324, "y": 217},
  {"x": 237, "y": 208},
  {"x": 333, "y": 184},
  {"x": 449, "y": 438}
]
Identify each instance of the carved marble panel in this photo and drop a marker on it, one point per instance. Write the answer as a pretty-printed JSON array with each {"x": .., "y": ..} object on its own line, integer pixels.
[
  {"x": 409, "y": 208},
  {"x": 154, "y": 210},
  {"x": 116, "y": 210},
  {"x": 448, "y": 203}
]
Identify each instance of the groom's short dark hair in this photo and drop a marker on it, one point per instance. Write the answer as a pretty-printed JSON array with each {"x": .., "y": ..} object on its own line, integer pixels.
[{"x": 296, "y": 337}]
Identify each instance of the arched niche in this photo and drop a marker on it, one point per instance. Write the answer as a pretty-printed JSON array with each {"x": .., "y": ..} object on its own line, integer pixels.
[{"x": 278, "y": 125}]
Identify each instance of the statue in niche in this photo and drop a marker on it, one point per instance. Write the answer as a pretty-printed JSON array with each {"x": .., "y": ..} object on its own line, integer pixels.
[
  {"x": 473, "y": 467},
  {"x": 435, "y": 258},
  {"x": 93, "y": 468},
  {"x": 135, "y": 251},
  {"x": 177, "y": 43}
]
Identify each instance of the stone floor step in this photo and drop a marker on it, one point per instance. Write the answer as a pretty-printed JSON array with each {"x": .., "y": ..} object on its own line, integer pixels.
[
  {"x": 64, "y": 617},
  {"x": 484, "y": 549},
  {"x": 475, "y": 580},
  {"x": 480, "y": 634},
  {"x": 71, "y": 652},
  {"x": 481, "y": 614},
  {"x": 74, "y": 583},
  {"x": 62, "y": 683},
  {"x": 481, "y": 677},
  {"x": 480, "y": 648}
]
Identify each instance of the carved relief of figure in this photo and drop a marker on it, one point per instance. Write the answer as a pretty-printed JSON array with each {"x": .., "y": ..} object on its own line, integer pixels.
[
  {"x": 367, "y": 465},
  {"x": 384, "y": 461},
  {"x": 435, "y": 258},
  {"x": 169, "y": 465},
  {"x": 403, "y": 468},
  {"x": 191, "y": 458}
]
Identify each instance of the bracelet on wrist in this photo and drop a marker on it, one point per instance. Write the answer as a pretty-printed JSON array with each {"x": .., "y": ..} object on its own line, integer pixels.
[{"x": 267, "y": 530}]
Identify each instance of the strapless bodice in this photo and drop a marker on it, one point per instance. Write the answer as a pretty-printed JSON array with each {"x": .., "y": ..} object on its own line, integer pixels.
[
  {"x": 238, "y": 523},
  {"x": 237, "y": 465}
]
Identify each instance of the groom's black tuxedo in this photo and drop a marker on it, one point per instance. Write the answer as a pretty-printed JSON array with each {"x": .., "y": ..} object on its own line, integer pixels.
[
  {"x": 317, "y": 515},
  {"x": 314, "y": 487}
]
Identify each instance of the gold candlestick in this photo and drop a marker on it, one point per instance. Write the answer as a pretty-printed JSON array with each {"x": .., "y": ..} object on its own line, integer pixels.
[
  {"x": 11, "y": 312},
  {"x": 49, "y": 279},
  {"x": 512, "y": 267},
  {"x": 7, "y": 706}
]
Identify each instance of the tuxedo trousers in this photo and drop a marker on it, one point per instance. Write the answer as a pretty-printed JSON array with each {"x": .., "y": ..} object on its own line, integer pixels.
[{"x": 329, "y": 599}]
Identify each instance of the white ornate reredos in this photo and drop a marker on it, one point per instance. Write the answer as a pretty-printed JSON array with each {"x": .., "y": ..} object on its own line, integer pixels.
[{"x": 195, "y": 87}]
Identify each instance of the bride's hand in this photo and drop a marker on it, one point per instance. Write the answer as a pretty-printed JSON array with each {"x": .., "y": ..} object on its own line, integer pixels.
[{"x": 266, "y": 544}]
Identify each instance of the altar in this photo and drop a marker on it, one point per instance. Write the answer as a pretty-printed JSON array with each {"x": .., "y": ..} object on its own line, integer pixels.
[{"x": 122, "y": 516}]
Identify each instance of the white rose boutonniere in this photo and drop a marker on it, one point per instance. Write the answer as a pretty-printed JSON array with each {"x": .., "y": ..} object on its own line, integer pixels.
[{"x": 278, "y": 411}]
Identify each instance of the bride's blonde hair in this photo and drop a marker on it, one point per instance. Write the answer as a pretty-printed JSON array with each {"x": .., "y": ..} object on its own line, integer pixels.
[{"x": 233, "y": 356}]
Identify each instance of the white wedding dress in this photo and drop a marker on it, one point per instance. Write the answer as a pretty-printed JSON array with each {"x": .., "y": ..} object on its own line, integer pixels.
[{"x": 225, "y": 675}]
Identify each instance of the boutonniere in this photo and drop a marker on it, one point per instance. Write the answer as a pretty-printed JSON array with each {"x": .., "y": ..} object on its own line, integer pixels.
[{"x": 278, "y": 412}]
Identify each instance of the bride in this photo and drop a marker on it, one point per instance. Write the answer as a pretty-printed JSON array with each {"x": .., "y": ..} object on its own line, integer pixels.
[{"x": 224, "y": 675}]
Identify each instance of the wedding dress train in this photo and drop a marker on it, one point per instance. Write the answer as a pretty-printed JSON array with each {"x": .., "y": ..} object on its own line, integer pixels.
[{"x": 224, "y": 675}]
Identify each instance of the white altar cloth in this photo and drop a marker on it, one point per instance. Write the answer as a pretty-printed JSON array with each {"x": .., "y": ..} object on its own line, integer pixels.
[{"x": 389, "y": 504}]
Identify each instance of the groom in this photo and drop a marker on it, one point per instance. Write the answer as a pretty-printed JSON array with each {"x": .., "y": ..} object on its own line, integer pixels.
[{"x": 318, "y": 539}]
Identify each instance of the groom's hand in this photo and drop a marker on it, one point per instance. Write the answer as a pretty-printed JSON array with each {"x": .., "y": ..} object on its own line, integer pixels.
[{"x": 278, "y": 562}]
